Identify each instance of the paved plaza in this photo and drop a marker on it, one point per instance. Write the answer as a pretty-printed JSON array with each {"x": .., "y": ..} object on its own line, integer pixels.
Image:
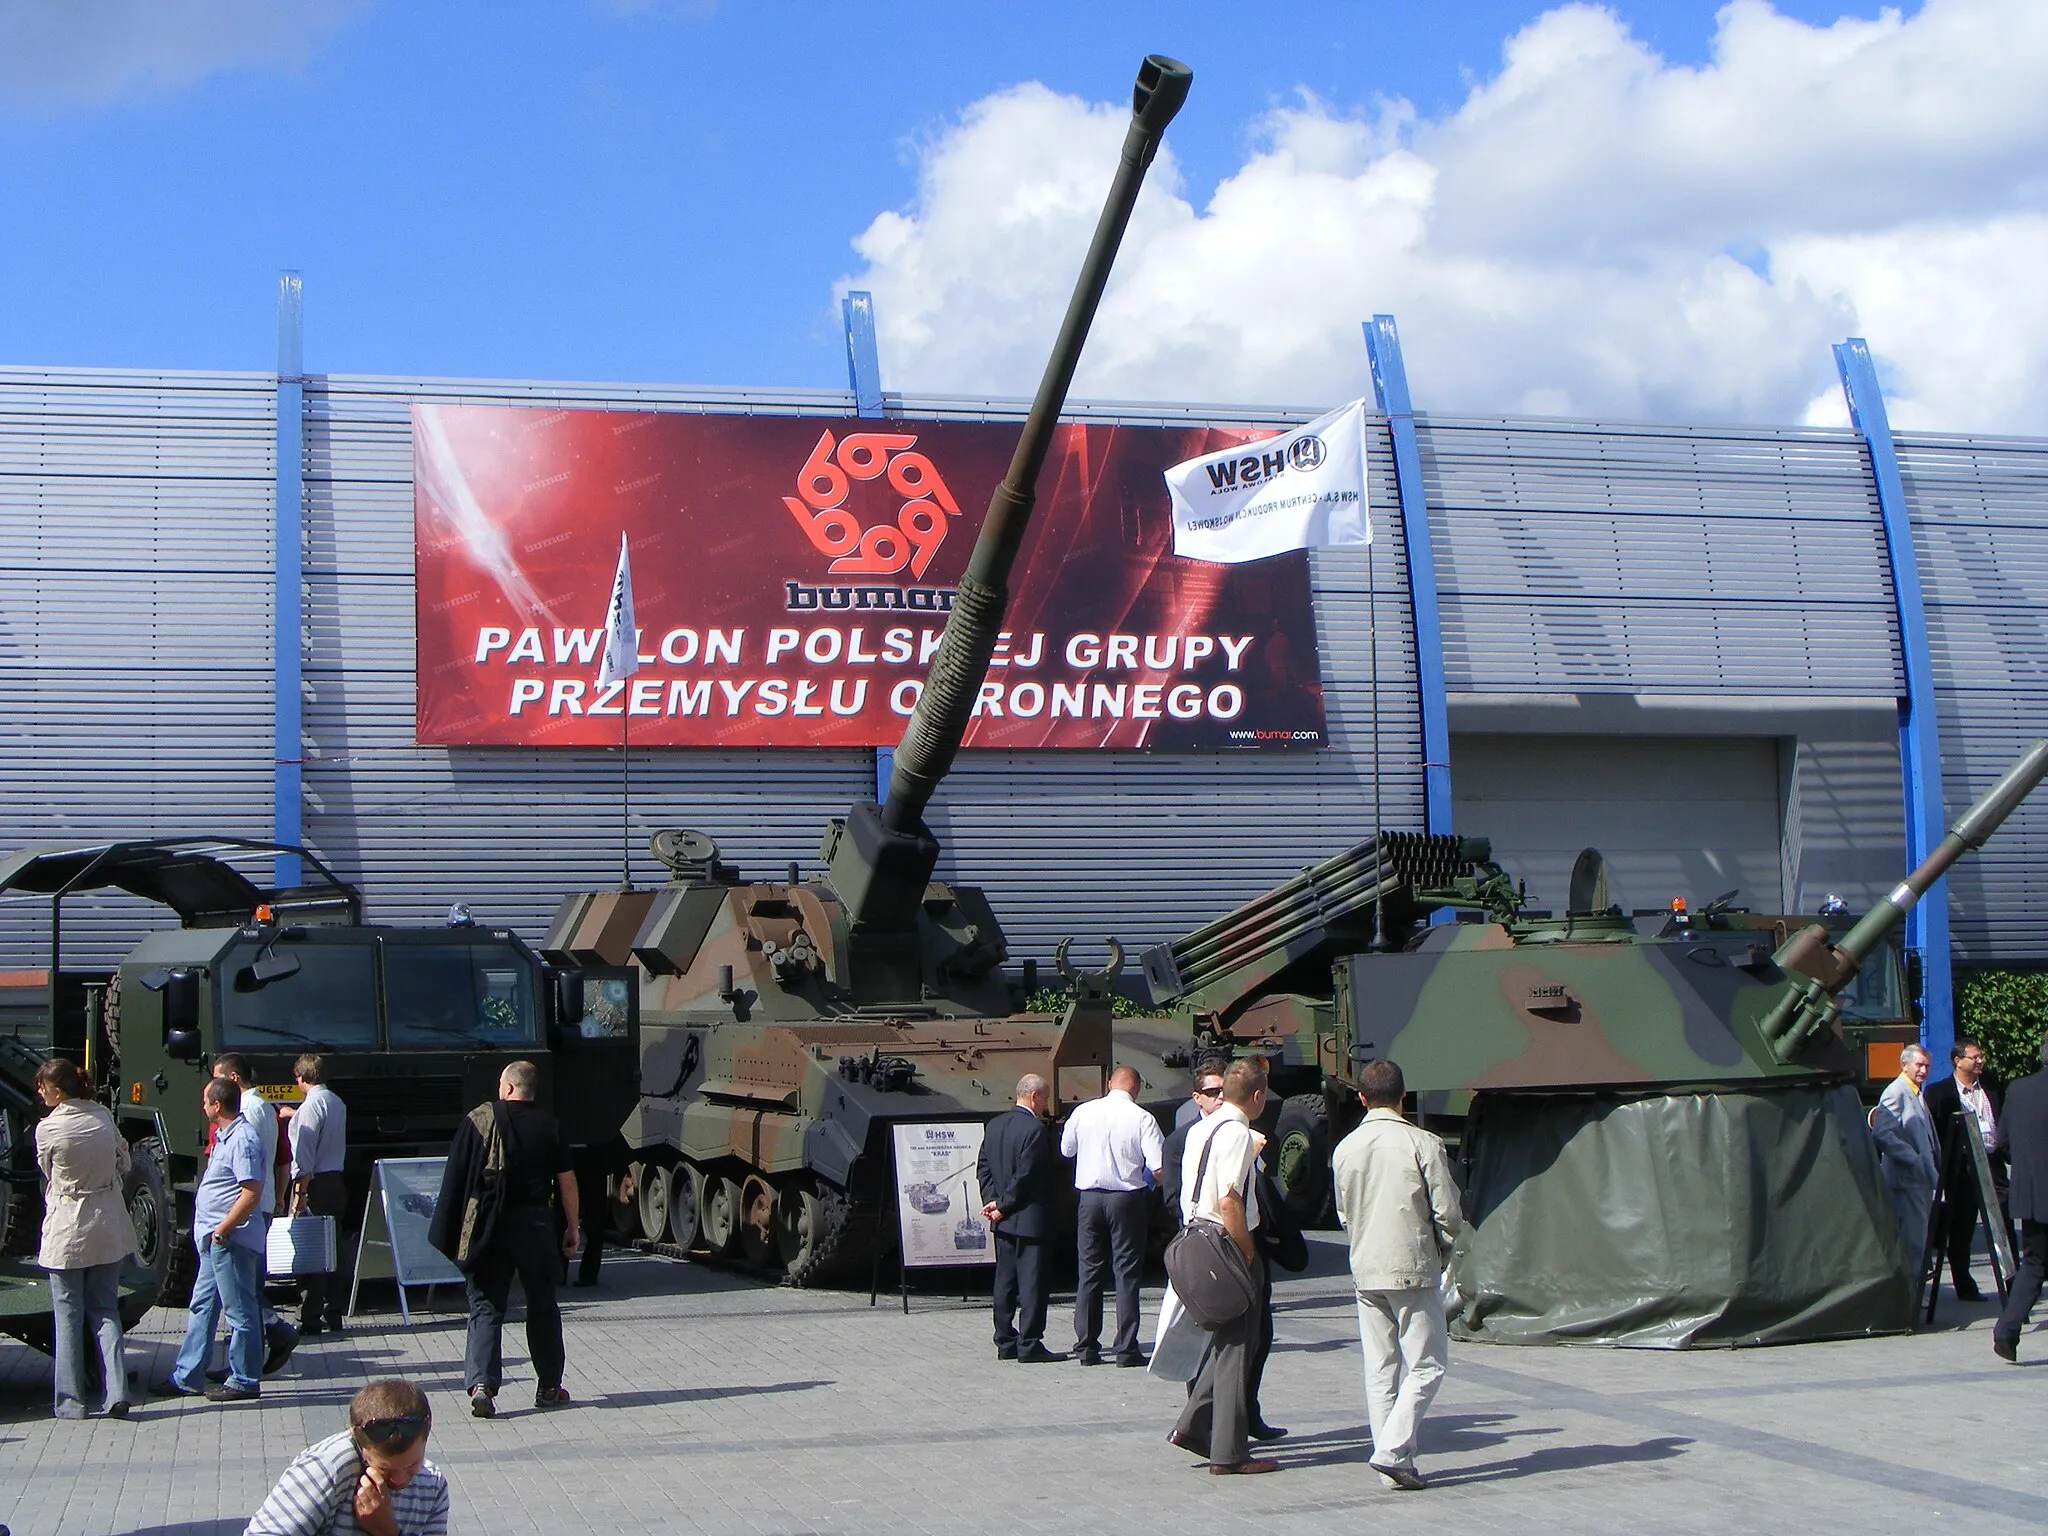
[{"x": 707, "y": 1402}]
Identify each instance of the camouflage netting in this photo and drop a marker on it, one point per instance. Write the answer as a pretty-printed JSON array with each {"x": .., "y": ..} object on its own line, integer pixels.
[{"x": 1677, "y": 1221}]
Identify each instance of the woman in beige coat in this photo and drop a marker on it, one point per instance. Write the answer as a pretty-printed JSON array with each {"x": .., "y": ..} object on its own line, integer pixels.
[{"x": 86, "y": 1233}]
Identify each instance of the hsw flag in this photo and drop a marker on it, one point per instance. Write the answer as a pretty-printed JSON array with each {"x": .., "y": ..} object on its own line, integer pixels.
[
  {"x": 621, "y": 639},
  {"x": 1301, "y": 489}
]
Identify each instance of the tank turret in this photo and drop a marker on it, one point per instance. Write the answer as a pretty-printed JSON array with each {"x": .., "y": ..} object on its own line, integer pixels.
[{"x": 786, "y": 1026}]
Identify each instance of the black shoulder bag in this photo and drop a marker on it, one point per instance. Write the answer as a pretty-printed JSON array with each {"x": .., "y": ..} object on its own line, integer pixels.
[{"x": 1209, "y": 1274}]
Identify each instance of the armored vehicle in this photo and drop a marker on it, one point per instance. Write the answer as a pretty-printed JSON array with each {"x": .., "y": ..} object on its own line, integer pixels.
[
  {"x": 414, "y": 1024},
  {"x": 1660, "y": 1134},
  {"x": 787, "y": 1026}
]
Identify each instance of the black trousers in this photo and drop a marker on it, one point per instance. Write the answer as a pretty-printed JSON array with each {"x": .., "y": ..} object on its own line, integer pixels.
[
  {"x": 1111, "y": 1237},
  {"x": 324, "y": 1297},
  {"x": 1217, "y": 1417},
  {"x": 525, "y": 1244},
  {"x": 1262, "y": 1346},
  {"x": 2026, "y": 1285},
  {"x": 1020, "y": 1291}
]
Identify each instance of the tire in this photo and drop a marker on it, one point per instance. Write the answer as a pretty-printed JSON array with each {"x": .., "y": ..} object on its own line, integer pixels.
[
  {"x": 654, "y": 1201},
  {"x": 165, "y": 1246},
  {"x": 685, "y": 1206},
  {"x": 1301, "y": 1163},
  {"x": 721, "y": 1214},
  {"x": 799, "y": 1225}
]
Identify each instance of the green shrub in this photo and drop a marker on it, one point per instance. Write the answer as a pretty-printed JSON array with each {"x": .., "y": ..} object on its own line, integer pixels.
[
  {"x": 1054, "y": 1000},
  {"x": 2004, "y": 1010}
]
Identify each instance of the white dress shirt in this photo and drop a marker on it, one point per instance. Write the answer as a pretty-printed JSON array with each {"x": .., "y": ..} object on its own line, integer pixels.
[
  {"x": 1229, "y": 1170},
  {"x": 1978, "y": 1103},
  {"x": 319, "y": 1133},
  {"x": 1114, "y": 1143}
]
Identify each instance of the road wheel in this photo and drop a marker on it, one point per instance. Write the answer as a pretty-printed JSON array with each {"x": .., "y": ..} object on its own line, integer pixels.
[
  {"x": 721, "y": 1208},
  {"x": 799, "y": 1224},
  {"x": 1301, "y": 1164},
  {"x": 757, "y": 1219},
  {"x": 685, "y": 1205},
  {"x": 165, "y": 1252},
  {"x": 654, "y": 1201},
  {"x": 622, "y": 1193}
]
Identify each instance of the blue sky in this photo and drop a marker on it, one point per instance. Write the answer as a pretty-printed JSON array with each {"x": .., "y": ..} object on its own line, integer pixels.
[{"x": 672, "y": 191}]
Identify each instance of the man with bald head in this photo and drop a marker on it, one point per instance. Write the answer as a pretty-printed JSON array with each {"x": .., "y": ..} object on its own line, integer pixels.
[
  {"x": 1015, "y": 1168},
  {"x": 1117, "y": 1151}
]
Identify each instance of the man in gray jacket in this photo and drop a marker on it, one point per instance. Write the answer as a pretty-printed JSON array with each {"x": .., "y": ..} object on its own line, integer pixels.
[{"x": 1400, "y": 1209}]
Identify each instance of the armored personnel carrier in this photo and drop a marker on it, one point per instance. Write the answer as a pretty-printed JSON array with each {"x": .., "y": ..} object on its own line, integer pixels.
[
  {"x": 1660, "y": 1133},
  {"x": 787, "y": 1026},
  {"x": 415, "y": 1024}
]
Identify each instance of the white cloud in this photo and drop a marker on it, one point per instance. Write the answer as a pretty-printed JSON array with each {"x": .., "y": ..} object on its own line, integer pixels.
[
  {"x": 65, "y": 53},
  {"x": 1593, "y": 231}
]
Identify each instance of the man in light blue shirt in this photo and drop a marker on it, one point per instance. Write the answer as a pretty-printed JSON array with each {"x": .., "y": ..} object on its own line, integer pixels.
[{"x": 230, "y": 1255}]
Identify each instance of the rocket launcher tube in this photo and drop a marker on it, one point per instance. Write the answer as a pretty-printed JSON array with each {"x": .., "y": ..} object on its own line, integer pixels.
[
  {"x": 1809, "y": 1007},
  {"x": 932, "y": 736}
]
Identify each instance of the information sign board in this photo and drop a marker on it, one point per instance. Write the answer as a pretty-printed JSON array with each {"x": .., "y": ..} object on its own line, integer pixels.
[
  {"x": 396, "y": 1220},
  {"x": 938, "y": 1201}
]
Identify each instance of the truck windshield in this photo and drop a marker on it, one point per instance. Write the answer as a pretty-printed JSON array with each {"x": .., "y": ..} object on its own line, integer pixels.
[
  {"x": 329, "y": 1001},
  {"x": 448, "y": 996},
  {"x": 1876, "y": 995}
]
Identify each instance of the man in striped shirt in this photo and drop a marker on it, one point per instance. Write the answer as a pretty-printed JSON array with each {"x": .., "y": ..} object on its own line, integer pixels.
[{"x": 373, "y": 1478}]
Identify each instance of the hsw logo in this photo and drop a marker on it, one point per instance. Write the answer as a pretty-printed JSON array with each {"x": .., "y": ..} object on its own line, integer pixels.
[{"x": 826, "y": 480}]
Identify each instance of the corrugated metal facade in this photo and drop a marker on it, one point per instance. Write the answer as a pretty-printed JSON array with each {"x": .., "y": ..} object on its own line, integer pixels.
[
  {"x": 135, "y": 664},
  {"x": 1980, "y": 528}
]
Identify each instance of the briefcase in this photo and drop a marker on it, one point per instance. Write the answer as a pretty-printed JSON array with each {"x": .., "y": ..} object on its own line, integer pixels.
[{"x": 300, "y": 1245}]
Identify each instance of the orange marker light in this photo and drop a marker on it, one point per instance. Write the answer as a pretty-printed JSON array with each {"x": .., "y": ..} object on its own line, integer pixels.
[
  {"x": 135, "y": 1093},
  {"x": 264, "y": 914},
  {"x": 1678, "y": 903}
]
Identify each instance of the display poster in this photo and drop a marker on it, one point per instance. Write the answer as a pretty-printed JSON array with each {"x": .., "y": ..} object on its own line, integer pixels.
[
  {"x": 938, "y": 1200},
  {"x": 396, "y": 1220},
  {"x": 792, "y": 576},
  {"x": 2003, "y": 1259}
]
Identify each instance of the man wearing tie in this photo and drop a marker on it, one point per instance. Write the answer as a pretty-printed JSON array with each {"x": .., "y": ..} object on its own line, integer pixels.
[
  {"x": 1015, "y": 1170},
  {"x": 1946, "y": 1101}
]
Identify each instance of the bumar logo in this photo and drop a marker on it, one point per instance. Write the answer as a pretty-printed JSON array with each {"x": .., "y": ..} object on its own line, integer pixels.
[
  {"x": 1306, "y": 452},
  {"x": 882, "y": 548}
]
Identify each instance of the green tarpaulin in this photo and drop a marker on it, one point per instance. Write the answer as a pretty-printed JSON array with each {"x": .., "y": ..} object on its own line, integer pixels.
[{"x": 1674, "y": 1221}]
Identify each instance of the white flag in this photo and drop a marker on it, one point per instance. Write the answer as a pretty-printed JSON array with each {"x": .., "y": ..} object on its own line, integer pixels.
[
  {"x": 621, "y": 639},
  {"x": 1304, "y": 488}
]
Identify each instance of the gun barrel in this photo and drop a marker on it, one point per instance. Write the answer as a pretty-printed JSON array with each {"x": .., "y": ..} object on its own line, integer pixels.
[
  {"x": 932, "y": 736},
  {"x": 1970, "y": 831}
]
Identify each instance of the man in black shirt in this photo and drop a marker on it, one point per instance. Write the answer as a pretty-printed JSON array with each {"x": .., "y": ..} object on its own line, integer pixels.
[{"x": 523, "y": 1239}]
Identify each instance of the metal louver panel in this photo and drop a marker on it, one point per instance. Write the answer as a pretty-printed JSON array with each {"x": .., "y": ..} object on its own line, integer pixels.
[
  {"x": 1588, "y": 558},
  {"x": 1980, "y": 528}
]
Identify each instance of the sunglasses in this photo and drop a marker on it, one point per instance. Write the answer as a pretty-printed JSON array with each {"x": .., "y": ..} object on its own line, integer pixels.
[
  {"x": 393, "y": 1433},
  {"x": 1208, "y": 1093}
]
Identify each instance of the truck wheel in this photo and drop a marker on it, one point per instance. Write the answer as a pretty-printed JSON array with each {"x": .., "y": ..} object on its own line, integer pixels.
[
  {"x": 165, "y": 1250},
  {"x": 1301, "y": 1164},
  {"x": 685, "y": 1205},
  {"x": 622, "y": 1192},
  {"x": 721, "y": 1207},
  {"x": 654, "y": 1201},
  {"x": 799, "y": 1224},
  {"x": 20, "y": 1204}
]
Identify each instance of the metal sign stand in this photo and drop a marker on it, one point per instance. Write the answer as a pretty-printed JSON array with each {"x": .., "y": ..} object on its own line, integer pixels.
[{"x": 393, "y": 1244}]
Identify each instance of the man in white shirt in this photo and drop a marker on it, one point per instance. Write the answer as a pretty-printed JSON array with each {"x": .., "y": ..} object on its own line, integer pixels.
[
  {"x": 1400, "y": 1209},
  {"x": 319, "y": 1151},
  {"x": 1967, "y": 1091},
  {"x": 1218, "y": 1183},
  {"x": 1116, "y": 1148}
]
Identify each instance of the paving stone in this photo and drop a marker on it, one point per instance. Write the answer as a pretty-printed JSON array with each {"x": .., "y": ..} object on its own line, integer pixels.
[{"x": 709, "y": 1403}]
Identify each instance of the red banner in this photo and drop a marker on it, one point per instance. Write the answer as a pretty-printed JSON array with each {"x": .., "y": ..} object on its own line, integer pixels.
[{"x": 792, "y": 575}]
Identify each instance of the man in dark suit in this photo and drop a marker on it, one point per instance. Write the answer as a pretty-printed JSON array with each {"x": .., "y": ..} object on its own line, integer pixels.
[
  {"x": 1965, "y": 1088},
  {"x": 2026, "y": 1143},
  {"x": 1016, "y": 1169}
]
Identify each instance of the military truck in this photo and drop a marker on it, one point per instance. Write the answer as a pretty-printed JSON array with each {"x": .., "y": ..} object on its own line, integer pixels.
[
  {"x": 1660, "y": 1136},
  {"x": 786, "y": 1026},
  {"x": 414, "y": 1023}
]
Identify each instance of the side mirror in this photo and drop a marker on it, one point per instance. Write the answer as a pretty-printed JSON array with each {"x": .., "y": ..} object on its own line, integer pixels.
[
  {"x": 568, "y": 998},
  {"x": 274, "y": 967},
  {"x": 1916, "y": 983},
  {"x": 181, "y": 1015}
]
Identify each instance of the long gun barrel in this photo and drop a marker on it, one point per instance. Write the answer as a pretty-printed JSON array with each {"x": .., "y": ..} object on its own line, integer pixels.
[
  {"x": 1822, "y": 969},
  {"x": 882, "y": 857}
]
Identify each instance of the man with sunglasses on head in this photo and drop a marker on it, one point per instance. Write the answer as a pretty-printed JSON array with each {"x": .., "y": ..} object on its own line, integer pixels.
[{"x": 373, "y": 1477}]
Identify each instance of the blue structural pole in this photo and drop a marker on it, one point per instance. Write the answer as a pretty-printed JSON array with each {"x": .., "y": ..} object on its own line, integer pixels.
[
  {"x": 1919, "y": 729},
  {"x": 286, "y": 824},
  {"x": 864, "y": 374},
  {"x": 1390, "y": 387}
]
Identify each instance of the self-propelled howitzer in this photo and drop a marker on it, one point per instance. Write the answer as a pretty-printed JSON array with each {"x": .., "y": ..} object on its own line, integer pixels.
[{"x": 786, "y": 1027}]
